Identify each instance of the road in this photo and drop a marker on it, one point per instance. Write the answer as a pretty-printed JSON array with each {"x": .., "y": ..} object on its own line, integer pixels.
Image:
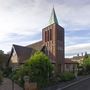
[{"x": 83, "y": 85}]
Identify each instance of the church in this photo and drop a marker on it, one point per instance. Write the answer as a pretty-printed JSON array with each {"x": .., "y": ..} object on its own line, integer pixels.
[{"x": 52, "y": 44}]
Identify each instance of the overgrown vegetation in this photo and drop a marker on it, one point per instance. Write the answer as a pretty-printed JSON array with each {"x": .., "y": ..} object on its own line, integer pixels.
[
  {"x": 66, "y": 76},
  {"x": 84, "y": 69},
  {"x": 38, "y": 68},
  {"x": 1, "y": 77},
  {"x": 3, "y": 59},
  {"x": 7, "y": 72},
  {"x": 86, "y": 64}
]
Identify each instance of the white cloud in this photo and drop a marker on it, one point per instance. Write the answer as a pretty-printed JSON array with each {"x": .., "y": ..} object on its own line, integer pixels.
[
  {"x": 28, "y": 17},
  {"x": 74, "y": 17},
  {"x": 75, "y": 49}
]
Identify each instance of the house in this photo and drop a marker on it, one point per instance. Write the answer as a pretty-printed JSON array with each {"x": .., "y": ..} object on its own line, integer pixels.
[
  {"x": 79, "y": 58},
  {"x": 52, "y": 44},
  {"x": 19, "y": 55},
  {"x": 70, "y": 66}
]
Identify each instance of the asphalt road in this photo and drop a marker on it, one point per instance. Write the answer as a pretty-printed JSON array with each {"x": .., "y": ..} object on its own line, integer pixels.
[{"x": 83, "y": 85}]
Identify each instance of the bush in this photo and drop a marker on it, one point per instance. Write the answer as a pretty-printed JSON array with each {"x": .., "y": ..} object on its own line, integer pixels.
[
  {"x": 81, "y": 70},
  {"x": 38, "y": 68},
  {"x": 7, "y": 71},
  {"x": 66, "y": 76},
  {"x": 1, "y": 78},
  {"x": 86, "y": 64},
  {"x": 17, "y": 76}
]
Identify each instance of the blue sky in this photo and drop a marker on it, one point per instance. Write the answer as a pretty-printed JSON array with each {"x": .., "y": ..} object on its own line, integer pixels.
[{"x": 21, "y": 22}]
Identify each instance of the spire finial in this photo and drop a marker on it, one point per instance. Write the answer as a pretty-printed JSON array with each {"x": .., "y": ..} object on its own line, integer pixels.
[{"x": 53, "y": 18}]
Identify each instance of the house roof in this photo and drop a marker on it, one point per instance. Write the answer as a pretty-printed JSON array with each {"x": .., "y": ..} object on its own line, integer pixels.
[
  {"x": 23, "y": 53},
  {"x": 69, "y": 61},
  {"x": 77, "y": 57}
]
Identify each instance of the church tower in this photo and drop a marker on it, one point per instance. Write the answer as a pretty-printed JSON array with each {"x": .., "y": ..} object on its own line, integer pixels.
[{"x": 53, "y": 39}]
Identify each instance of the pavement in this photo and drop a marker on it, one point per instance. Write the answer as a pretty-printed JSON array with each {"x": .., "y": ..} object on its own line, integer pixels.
[
  {"x": 82, "y": 85},
  {"x": 65, "y": 85},
  {"x": 7, "y": 85}
]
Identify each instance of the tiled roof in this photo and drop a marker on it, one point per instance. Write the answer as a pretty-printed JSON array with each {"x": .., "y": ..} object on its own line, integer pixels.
[
  {"x": 23, "y": 53},
  {"x": 69, "y": 61},
  {"x": 77, "y": 57}
]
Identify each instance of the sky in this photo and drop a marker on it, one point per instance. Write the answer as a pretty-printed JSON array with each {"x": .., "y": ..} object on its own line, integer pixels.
[{"x": 22, "y": 21}]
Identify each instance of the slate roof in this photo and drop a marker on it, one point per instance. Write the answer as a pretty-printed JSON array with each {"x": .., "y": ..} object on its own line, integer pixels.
[
  {"x": 69, "y": 61},
  {"x": 77, "y": 57},
  {"x": 23, "y": 53}
]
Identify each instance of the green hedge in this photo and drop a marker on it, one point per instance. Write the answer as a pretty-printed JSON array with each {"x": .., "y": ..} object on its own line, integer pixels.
[{"x": 66, "y": 76}]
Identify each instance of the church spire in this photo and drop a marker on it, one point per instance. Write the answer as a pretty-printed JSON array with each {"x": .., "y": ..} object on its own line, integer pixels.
[{"x": 53, "y": 18}]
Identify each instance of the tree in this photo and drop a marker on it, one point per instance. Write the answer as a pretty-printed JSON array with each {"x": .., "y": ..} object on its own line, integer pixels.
[
  {"x": 38, "y": 68},
  {"x": 1, "y": 77},
  {"x": 86, "y": 64},
  {"x": 3, "y": 59}
]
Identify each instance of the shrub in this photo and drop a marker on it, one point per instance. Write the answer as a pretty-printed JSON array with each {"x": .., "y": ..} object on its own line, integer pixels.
[
  {"x": 17, "y": 76},
  {"x": 1, "y": 78},
  {"x": 38, "y": 68},
  {"x": 7, "y": 71},
  {"x": 86, "y": 64},
  {"x": 65, "y": 76}
]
